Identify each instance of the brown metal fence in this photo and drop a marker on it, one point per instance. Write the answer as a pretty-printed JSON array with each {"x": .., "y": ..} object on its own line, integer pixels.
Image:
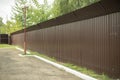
[
  {"x": 89, "y": 37},
  {"x": 3, "y": 39}
]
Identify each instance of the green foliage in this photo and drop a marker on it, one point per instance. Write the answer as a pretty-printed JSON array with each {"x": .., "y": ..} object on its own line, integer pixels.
[
  {"x": 37, "y": 13},
  {"x": 42, "y": 55},
  {"x": 61, "y": 7},
  {"x": 1, "y": 23},
  {"x": 2, "y": 30},
  {"x": 17, "y": 12},
  {"x": 6, "y": 46},
  {"x": 10, "y": 27},
  {"x": 87, "y": 71}
]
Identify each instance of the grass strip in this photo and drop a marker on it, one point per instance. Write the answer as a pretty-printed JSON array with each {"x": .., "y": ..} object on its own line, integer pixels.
[
  {"x": 6, "y": 46},
  {"x": 74, "y": 67}
]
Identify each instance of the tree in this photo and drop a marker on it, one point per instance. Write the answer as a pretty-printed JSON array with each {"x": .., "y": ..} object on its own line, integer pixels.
[
  {"x": 61, "y": 7},
  {"x": 1, "y": 23},
  {"x": 38, "y": 13},
  {"x": 17, "y": 13},
  {"x": 35, "y": 13}
]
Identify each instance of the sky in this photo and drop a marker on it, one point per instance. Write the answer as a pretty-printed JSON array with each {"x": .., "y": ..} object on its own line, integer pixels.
[{"x": 6, "y": 7}]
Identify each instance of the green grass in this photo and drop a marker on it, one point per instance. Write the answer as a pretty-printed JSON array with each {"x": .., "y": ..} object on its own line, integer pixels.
[
  {"x": 6, "y": 46},
  {"x": 87, "y": 71},
  {"x": 75, "y": 67},
  {"x": 42, "y": 55}
]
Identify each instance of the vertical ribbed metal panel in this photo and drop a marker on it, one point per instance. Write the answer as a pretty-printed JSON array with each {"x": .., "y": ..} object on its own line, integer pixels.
[
  {"x": 92, "y": 43},
  {"x": 114, "y": 53}
]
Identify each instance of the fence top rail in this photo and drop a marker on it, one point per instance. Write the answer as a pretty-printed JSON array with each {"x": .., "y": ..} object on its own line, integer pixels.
[{"x": 100, "y": 8}]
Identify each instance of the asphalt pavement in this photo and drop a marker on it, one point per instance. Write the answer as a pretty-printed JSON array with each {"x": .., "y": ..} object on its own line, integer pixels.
[{"x": 15, "y": 67}]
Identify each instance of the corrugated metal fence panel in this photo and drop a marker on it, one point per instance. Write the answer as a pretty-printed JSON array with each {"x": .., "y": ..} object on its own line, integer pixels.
[
  {"x": 101, "y": 8},
  {"x": 18, "y": 39},
  {"x": 92, "y": 43},
  {"x": 114, "y": 20}
]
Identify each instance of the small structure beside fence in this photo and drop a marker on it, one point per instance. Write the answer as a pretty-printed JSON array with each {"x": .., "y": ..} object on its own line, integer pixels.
[{"x": 4, "y": 39}]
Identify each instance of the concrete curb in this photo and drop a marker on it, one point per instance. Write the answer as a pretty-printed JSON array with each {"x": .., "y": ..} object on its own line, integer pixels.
[
  {"x": 76, "y": 73},
  {"x": 22, "y": 50}
]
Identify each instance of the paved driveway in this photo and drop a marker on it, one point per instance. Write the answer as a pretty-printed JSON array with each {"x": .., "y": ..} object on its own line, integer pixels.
[{"x": 14, "y": 67}]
